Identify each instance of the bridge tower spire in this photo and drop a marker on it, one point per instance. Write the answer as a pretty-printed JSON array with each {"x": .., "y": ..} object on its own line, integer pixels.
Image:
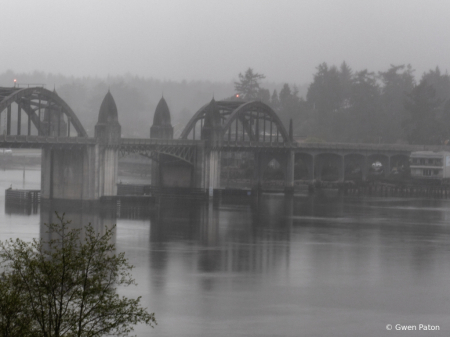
[
  {"x": 162, "y": 127},
  {"x": 212, "y": 129},
  {"x": 107, "y": 135},
  {"x": 108, "y": 129}
]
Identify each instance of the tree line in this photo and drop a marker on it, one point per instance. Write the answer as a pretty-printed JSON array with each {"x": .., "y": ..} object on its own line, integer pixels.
[
  {"x": 343, "y": 105},
  {"x": 339, "y": 105}
]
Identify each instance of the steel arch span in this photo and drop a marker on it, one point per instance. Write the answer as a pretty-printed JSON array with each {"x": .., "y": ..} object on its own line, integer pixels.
[
  {"x": 36, "y": 100},
  {"x": 240, "y": 121}
]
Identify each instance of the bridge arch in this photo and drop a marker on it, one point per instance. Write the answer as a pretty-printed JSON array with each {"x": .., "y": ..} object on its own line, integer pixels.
[
  {"x": 36, "y": 100},
  {"x": 191, "y": 129},
  {"x": 242, "y": 121},
  {"x": 253, "y": 116}
]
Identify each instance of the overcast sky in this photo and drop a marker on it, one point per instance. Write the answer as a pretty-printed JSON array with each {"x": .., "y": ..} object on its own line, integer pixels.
[{"x": 215, "y": 40}]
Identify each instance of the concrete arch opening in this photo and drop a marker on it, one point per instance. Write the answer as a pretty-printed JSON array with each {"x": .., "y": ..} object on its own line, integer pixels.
[
  {"x": 400, "y": 166},
  {"x": 378, "y": 166},
  {"x": 303, "y": 166},
  {"x": 329, "y": 167},
  {"x": 273, "y": 173},
  {"x": 355, "y": 167},
  {"x": 237, "y": 169}
]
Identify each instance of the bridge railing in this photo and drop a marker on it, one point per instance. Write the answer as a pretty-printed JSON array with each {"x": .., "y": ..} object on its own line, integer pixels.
[
  {"x": 371, "y": 147},
  {"x": 22, "y": 140},
  {"x": 149, "y": 141},
  {"x": 252, "y": 144}
]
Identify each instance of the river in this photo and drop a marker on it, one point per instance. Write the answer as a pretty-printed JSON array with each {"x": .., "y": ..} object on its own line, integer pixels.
[{"x": 301, "y": 266}]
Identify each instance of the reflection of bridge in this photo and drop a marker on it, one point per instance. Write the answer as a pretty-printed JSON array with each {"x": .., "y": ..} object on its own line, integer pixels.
[{"x": 75, "y": 166}]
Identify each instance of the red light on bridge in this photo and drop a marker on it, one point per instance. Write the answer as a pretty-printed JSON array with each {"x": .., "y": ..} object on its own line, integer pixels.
[{"x": 237, "y": 95}]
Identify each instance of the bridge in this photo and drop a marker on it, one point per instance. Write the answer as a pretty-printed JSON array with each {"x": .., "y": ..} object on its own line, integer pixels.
[{"x": 75, "y": 166}]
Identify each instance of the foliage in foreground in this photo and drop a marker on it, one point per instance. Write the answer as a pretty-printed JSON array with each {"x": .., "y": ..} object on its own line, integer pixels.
[{"x": 67, "y": 286}]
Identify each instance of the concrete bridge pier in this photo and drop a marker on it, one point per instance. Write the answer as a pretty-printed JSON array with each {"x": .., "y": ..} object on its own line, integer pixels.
[
  {"x": 364, "y": 169},
  {"x": 318, "y": 167},
  {"x": 341, "y": 169},
  {"x": 310, "y": 166},
  {"x": 212, "y": 170},
  {"x": 387, "y": 171},
  {"x": 212, "y": 135},
  {"x": 86, "y": 172},
  {"x": 257, "y": 172},
  {"x": 289, "y": 172},
  {"x": 69, "y": 174}
]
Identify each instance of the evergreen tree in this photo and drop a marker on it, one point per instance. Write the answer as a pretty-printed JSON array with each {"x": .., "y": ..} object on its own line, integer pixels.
[
  {"x": 421, "y": 126},
  {"x": 274, "y": 101},
  {"x": 365, "y": 108},
  {"x": 248, "y": 85},
  {"x": 291, "y": 106},
  {"x": 397, "y": 82},
  {"x": 345, "y": 80},
  {"x": 440, "y": 82},
  {"x": 325, "y": 98},
  {"x": 264, "y": 95}
]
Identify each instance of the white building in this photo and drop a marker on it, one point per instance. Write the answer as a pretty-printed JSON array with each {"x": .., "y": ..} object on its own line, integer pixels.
[{"x": 430, "y": 165}]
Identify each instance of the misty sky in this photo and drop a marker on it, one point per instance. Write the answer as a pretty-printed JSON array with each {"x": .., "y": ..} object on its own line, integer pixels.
[{"x": 215, "y": 40}]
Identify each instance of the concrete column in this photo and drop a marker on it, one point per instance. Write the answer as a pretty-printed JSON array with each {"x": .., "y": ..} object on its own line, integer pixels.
[
  {"x": 108, "y": 171},
  {"x": 319, "y": 165},
  {"x": 199, "y": 169},
  {"x": 289, "y": 209},
  {"x": 311, "y": 168},
  {"x": 155, "y": 173},
  {"x": 341, "y": 169},
  {"x": 46, "y": 168},
  {"x": 364, "y": 169},
  {"x": 257, "y": 172},
  {"x": 388, "y": 166},
  {"x": 206, "y": 171},
  {"x": 289, "y": 172},
  {"x": 213, "y": 170}
]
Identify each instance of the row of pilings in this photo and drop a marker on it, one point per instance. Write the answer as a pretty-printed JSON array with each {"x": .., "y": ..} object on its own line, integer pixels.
[{"x": 386, "y": 190}]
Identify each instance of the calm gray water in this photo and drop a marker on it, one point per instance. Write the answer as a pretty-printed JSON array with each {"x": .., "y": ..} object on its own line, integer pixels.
[{"x": 302, "y": 266}]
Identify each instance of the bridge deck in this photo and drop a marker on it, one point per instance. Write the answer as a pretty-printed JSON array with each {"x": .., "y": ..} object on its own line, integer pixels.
[
  {"x": 16, "y": 141},
  {"x": 43, "y": 141}
]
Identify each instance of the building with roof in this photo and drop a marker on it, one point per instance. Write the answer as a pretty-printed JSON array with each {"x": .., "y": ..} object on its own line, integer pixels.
[{"x": 430, "y": 165}]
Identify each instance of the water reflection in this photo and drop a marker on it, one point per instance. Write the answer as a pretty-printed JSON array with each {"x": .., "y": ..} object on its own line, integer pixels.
[
  {"x": 22, "y": 209},
  {"x": 216, "y": 237},
  {"x": 80, "y": 214},
  {"x": 219, "y": 239},
  {"x": 278, "y": 265}
]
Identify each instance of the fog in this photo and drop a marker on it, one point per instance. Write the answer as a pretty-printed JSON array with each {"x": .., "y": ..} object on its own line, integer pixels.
[
  {"x": 326, "y": 258},
  {"x": 215, "y": 40}
]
